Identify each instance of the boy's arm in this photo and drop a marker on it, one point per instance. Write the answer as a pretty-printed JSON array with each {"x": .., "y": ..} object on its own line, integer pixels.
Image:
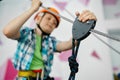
[
  {"x": 12, "y": 29},
  {"x": 65, "y": 45}
]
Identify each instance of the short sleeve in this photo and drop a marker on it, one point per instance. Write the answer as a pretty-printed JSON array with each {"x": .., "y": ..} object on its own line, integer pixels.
[{"x": 55, "y": 42}]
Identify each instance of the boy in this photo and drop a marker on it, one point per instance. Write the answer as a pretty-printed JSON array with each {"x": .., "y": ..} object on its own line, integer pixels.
[{"x": 34, "y": 55}]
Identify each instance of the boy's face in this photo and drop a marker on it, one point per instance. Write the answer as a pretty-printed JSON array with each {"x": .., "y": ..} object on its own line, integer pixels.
[{"x": 48, "y": 23}]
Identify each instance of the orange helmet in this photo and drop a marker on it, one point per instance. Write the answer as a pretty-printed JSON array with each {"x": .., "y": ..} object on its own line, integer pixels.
[{"x": 52, "y": 10}]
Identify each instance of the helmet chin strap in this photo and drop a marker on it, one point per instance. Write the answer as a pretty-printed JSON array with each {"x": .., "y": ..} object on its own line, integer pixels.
[{"x": 43, "y": 32}]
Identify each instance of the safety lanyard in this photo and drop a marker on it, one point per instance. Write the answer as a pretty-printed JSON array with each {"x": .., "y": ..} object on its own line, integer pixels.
[
  {"x": 72, "y": 60},
  {"x": 80, "y": 31}
]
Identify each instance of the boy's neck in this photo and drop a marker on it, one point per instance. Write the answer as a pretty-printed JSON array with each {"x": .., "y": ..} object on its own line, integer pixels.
[{"x": 38, "y": 31}]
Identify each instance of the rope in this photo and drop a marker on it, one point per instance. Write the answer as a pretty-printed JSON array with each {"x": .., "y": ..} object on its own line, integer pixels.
[{"x": 73, "y": 67}]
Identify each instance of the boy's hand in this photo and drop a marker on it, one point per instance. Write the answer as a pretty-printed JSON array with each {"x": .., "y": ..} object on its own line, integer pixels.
[
  {"x": 86, "y": 15},
  {"x": 36, "y": 4}
]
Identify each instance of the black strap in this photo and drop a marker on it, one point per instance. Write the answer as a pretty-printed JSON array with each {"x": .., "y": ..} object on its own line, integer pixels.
[
  {"x": 72, "y": 60},
  {"x": 44, "y": 33}
]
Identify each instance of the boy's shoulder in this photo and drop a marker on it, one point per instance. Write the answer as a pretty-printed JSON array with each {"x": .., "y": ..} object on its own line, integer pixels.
[{"x": 26, "y": 30}]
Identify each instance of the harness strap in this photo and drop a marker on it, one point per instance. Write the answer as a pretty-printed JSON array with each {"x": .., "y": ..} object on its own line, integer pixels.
[{"x": 28, "y": 73}]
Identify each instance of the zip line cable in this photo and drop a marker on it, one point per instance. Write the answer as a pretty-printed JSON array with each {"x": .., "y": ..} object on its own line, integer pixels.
[{"x": 106, "y": 43}]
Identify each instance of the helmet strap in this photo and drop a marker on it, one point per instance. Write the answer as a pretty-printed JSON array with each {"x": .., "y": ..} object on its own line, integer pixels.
[{"x": 43, "y": 32}]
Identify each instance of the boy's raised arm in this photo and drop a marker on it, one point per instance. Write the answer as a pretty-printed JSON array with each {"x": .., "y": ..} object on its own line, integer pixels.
[{"x": 11, "y": 30}]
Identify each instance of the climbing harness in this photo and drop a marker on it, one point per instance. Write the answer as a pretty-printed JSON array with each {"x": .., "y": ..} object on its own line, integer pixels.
[{"x": 80, "y": 31}]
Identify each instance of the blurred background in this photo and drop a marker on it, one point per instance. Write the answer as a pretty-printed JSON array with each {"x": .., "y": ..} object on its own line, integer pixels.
[{"x": 96, "y": 60}]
